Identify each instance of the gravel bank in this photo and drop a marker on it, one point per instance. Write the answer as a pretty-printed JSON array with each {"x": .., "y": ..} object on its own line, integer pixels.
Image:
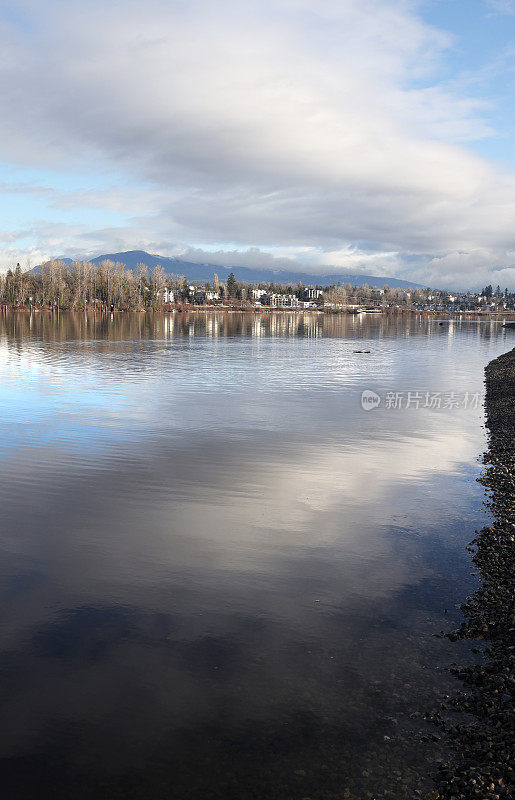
[{"x": 478, "y": 718}]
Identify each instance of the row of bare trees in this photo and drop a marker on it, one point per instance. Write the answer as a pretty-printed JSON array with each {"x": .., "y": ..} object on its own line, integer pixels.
[
  {"x": 346, "y": 293},
  {"x": 83, "y": 284}
]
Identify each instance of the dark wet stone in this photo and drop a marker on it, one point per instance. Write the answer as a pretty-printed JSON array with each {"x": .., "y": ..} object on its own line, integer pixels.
[{"x": 479, "y": 721}]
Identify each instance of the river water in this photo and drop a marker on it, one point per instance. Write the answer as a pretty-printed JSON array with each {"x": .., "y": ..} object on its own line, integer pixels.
[{"x": 220, "y": 576}]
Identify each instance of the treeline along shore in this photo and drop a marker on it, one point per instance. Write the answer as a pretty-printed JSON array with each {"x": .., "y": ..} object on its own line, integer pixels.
[
  {"x": 482, "y": 732},
  {"x": 110, "y": 287}
]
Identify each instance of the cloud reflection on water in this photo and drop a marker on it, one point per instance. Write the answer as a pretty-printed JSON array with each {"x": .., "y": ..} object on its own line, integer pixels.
[{"x": 189, "y": 570}]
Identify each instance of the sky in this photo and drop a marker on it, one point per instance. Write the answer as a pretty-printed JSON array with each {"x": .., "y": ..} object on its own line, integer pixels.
[{"x": 367, "y": 136}]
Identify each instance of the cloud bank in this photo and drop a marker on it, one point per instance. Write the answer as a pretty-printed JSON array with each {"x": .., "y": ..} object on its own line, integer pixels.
[{"x": 317, "y": 132}]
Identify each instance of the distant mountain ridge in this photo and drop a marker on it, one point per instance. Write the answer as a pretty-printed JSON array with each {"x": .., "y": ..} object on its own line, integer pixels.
[{"x": 205, "y": 272}]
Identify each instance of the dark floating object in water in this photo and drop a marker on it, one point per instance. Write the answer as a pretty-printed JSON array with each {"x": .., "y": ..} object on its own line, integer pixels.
[
  {"x": 362, "y": 351},
  {"x": 509, "y": 325}
]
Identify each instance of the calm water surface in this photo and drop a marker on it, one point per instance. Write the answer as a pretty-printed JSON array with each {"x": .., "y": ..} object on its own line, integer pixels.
[{"x": 220, "y": 577}]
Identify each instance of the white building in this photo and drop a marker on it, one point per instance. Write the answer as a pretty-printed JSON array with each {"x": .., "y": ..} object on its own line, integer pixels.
[
  {"x": 283, "y": 301},
  {"x": 312, "y": 294},
  {"x": 167, "y": 295}
]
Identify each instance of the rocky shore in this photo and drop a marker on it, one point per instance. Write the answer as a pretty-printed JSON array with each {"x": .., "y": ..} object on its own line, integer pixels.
[{"x": 478, "y": 718}]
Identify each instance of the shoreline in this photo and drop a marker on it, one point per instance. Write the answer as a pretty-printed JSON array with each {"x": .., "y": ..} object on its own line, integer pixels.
[
  {"x": 479, "y": 719},
  {"x": 506, "y": 316}
]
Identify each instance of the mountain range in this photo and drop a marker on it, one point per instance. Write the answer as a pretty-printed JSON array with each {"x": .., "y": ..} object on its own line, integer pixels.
[{"x": 205, "y": 272}]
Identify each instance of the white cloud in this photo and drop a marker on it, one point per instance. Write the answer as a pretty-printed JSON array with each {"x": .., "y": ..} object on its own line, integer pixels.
[
  {"x": 312, "y": 127},
  {"x": 502, "y": 6},
  {"x": 471, "y": 266}
]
